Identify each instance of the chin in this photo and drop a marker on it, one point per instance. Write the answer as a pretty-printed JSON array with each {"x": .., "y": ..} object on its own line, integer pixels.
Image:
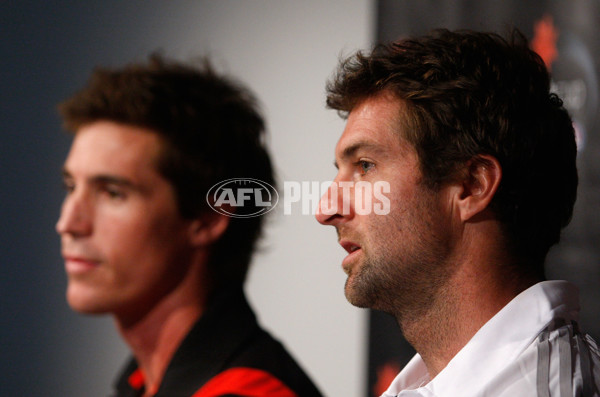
[
  {"x": 356, "y": 296},
  {"x": 85, "y": 302}
]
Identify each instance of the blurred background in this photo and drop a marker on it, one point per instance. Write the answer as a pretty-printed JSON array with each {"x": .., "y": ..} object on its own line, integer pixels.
[{"x": 284, "y": 51}]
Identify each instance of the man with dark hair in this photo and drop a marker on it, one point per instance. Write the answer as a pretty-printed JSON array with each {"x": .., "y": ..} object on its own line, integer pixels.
[
  {"x": 480, "y": 161},
  {"x": 141, "y": 242}
]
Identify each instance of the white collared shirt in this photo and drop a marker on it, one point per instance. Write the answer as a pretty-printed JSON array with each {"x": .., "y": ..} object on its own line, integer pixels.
[{"x": 529, "y": 348}]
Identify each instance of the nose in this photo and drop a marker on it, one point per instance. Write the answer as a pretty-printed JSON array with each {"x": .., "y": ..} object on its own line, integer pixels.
[
  {"x": 75, "y": 216},
  {"x": 335, "y": 205}
]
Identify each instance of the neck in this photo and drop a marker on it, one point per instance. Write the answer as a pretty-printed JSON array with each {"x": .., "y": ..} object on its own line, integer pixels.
[
  {"x": 154, "y": 338},
  {"x": 480, "y": 287}
]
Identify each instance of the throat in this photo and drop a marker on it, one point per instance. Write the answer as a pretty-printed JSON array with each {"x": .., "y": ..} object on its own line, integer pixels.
[{"x": 437, "y": 331}]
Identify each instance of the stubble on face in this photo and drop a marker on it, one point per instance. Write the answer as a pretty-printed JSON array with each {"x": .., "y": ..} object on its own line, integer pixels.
[{"x": 404, "y": 261}]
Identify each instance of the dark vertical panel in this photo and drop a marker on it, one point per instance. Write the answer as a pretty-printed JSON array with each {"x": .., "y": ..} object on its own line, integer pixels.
[
  {"x": 575, "y": 76},
  {"x": 30, "y": 150},
  {"x": 47, "y": 51}
]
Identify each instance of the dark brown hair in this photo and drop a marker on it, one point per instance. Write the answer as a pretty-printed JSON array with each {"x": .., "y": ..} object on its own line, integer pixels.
[
  {"x": 211, "y": 131},
  {"x": 468, "y": 94}
]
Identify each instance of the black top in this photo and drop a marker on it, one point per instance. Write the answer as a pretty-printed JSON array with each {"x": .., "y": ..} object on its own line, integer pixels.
[{"x": 226, "y": 341}]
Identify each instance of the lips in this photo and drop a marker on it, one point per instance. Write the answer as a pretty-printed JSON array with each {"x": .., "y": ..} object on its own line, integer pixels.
[
  {"x": 349, "y": 246},
  {"x": 79, "y": 265},
  {"x": 353, "y": 251}
]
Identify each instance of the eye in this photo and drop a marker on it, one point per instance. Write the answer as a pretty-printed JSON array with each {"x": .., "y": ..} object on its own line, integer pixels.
[
  {"x": 365, "y": 166},
  {"x": 114, "y": 192},
  {"x": 68, "y": 185}
]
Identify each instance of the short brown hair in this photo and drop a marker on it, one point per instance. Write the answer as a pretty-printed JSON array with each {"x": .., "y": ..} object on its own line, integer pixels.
[
  {"x": 211, "y": 130},
  {"x": 472, "y": 93}
]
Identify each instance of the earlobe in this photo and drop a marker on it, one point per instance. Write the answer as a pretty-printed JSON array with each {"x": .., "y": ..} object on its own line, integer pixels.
[
  {"x": 207, "y": 229},
  {"x": 481, "y": 182}
]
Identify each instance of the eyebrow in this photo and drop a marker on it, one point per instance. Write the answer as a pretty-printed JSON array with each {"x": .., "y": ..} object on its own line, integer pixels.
[
  {"x": 349, "y": 151},
  {"x": 105, "y": 180}
]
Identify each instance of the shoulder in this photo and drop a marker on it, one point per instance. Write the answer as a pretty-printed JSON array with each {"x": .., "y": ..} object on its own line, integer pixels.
[
  {"x": 247, "y": 382},
  {"x": 250, "y": 358},
  {"x": 263, "y": 359},
  {"x": 567, "y": 360}
]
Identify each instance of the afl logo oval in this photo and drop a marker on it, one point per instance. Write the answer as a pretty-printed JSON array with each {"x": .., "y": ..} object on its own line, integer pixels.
[{"x": 242, "y": 197}]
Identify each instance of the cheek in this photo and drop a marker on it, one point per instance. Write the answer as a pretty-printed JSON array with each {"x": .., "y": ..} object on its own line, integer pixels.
[
  {"x": 137, "y": 237},
  {"x": 147, "y": 257},
  {"x": 165, "y": 236}
]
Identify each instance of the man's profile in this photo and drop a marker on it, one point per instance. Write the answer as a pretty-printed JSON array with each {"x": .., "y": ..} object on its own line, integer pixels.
[
  {"x": 142, "y": 244},
  {"x": 480, "y": 159}
]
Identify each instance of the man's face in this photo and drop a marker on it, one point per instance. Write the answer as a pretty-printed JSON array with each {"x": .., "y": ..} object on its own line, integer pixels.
[
  {"x": 394, "y": 261},
  {"x": 124, "y": 243}
]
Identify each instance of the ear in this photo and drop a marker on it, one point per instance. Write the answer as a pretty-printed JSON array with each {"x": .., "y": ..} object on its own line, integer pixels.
[
  {"x": 207, "y": 229},
  {"x": 481, "y": 181}
]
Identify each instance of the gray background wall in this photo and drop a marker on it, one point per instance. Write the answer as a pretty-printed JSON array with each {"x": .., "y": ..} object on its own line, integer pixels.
[{"x": 284, "y": 50}]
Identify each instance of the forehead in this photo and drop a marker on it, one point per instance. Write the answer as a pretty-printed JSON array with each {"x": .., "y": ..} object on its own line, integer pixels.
[
  {"x": 105, "y": 146},
  {"x": 376, "y": 124}
]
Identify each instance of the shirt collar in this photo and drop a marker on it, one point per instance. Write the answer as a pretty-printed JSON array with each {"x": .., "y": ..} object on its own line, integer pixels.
[{"x": 500, "y": 340}]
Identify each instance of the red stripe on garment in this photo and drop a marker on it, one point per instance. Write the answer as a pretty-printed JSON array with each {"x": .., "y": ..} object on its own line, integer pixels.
[
  {"x": 136, "y": 379},
  {"x": 248, "y": 382}
]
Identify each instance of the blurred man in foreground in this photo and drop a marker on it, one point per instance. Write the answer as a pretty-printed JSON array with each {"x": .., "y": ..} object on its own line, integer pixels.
[{"x": 141, "y": 242}]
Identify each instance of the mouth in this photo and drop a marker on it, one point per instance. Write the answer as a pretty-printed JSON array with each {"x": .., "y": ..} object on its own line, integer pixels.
[
  {"x": 353, "y": 251},
  {"x": 349, "y": 246},
  {"x": 78, "y": 265}
]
